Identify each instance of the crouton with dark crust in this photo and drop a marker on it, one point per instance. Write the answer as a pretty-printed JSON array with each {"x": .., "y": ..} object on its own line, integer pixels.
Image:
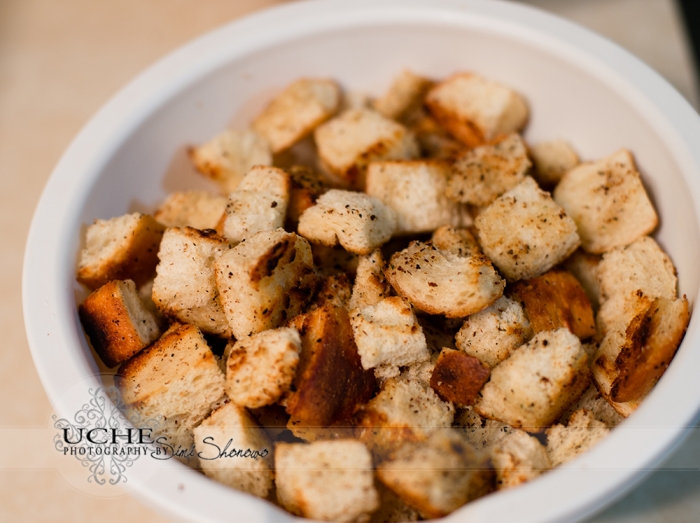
[{"x": 458, "y": 377}]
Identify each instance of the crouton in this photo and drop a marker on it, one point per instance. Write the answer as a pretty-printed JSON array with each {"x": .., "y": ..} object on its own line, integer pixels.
[
  {"x": 495, "y": 332},
  {"x": 388, "y": 334},
  {"x": 584, "y": 267},
  {"x": 331, "y": 260},
  {"x": 594, "y": 402},
  {"x": 355, "y": 100},
  {"x": 306, "y": 188},
  {"x": 185, "y": 287},
  {"x": 457, "y": 240},
  {"x": 518, "y": 458},
  {"x": 358, "y": 222},
  {"x": 583, "y": 431},
  {"x": 458, "y": 377},
  {"x": 297, "y": 111},
  {"x": 434, "y": 141},
  {"x": 349, "y": 142},
  {"x": 145, "y": 293},
  {"x": 482, "y": 433},
  {"x": 537, "y": 382},
  {"x": 405, "y": 94},
  {"x": 555, "y": 299},
  {"x": 420, "y": 372},
  {"x": 608, "y": 202},
  {"x": 122, "y": 248},
  {"x": 259, "y": 369},
  {"x": 335, "y": 290},
  {"x": 246, "y": 463},
  {"x": 176, "y": 381},
  {"x": 440, "y": 282},
  {"x": 264, "y": 281},
  {"x": 552, "y": 159},
  {"x": 116, "y": 322},
  {"x": 525, "y": 233},
  {"x": 326, "y": 480},
  {"x": 482, "y": 174},
  {"x": 330, "y": 382},
  {"x": 476, "y": 110},
  {"x": 229, "y": 156},
  {"x": 370, "y": 285},
  {"x": 415, "y": 190},
  {"x": 437, "y": 476},
  {"x": 273, "y": 418},
  {"x": 259, "y": 203},
  {"x": 392, "y": 509},
  {"x": 197, "y": 209}
]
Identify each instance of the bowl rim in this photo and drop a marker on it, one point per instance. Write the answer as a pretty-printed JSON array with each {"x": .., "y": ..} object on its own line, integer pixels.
[{"x": 51, "y": 320}]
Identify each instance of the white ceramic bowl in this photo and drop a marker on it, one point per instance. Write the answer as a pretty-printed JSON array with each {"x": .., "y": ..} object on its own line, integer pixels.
[{"x": 579, "y": 86}]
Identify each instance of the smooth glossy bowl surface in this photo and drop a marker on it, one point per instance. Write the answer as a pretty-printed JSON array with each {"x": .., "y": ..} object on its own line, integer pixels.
[{"x": 580, "y": 87}]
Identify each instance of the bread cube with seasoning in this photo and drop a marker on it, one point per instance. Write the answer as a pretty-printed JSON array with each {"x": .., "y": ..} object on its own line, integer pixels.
[
  {"x": 405, "y": 94},
  {"x": 581, "y": 433},
  {"x": 197, "y": 209},
  {"x": 306, "y": 187},
  {"x": 594, "y": 402},
  {"x": 552, "y": 160},
  {"x": 458, "y": 377},
  {"x": 584, "y": 266},
  {"x": 518, "y": 458},
  {"x": 370, "y": 285}
]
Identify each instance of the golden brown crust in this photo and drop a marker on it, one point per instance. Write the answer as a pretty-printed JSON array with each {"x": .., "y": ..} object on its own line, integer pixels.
[
  {"x": 306, "y": 187},
  {"x": 464, "y": 130},
  {"x": 458, "y": 377}
]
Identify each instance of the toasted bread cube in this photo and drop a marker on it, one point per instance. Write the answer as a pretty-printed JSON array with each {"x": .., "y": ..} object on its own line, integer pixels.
[
  {"x": 334, "y": 290},
  {"x": 482, "y": 433},
  {"x": 525, "y": 233},
  {"x": 439, "y": 475},
  {"x": 326, "y": 480},
  {"x": 349, "y": 142},
  {"x": 584, "y": 266},
  {"x": 247, "y": 464},
  {"x": 175, "y": 381},
  {"x": 229, "y": 156},
  {"x": 259, "y": 203},
  {"x": 534, "y": 386},
  {"x": 185, "y": 287},
  {"x": 116, "y": 322},
  {"x": 388, "y": 334},
  {"x": 331, "y": 260},
  {"x": 392, "y": 509},
  {"x": 264, "y": 281},
  {"x": 434, "y": 141},
  {"x": 476, "y": 110},
  {"x": 552, "y": 159},
  {"x": 457, "y": 240},
  {"x": 440, "y": 282},
  {"x": 555, "y": 299},
  {"x": 608, "y": 202},
  {"x": 518, "y": 458},
  {"x": 358, "y": 222},
  {"x": 482, "y": 174},
  {"x": 583, "y": 431},
  {"x": 495, "y": 332},
  {"x": 261, "y": 368},
  {"x": 306, "y": 187},
  {"x": 594, "y": 402},
  {"x": 370, "y": 285},
  {"x": 415, "y": 190},
  {"x": 297, "y": 111},
  {"x": 405, "y": 94},
  {"x": 122, "y": 248},
  {"x": 458, "y": 377},
  {"x": 197, "y": 209}
]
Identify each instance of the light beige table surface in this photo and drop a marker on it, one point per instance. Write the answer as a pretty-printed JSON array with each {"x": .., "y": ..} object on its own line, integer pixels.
[{"x": 60, "y": 60}]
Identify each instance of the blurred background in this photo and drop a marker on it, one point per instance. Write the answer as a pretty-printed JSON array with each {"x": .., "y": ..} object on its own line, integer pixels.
[{"x": 60, "y": 60}]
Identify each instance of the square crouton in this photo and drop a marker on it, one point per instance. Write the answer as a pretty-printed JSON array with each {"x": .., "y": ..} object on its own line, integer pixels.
[
  {"x": 525, "y": 233},
  {"x": 358, "y": 222},
  {"x": 349, "y": 142},
  {"x": 197, "y": 209},
  {"x": 415, "y": 190},
  {"x": 534, "y": 386},
  {"x": 297, "y": 111},
  {"x": 176, "y": 381},
  {"x": 608, "y": 202},
  {"x": 439, "y": 475},
  {"x": 476, "y": 110},
  {"x": 185, "y": 287},
  {"x": 434, "y": 141},
  {"x": 458, "y": 377},
  {"x": 234, "y": 450},
  {"x": 555, "y": 299},
  {"x": 482, "y": 433},
  {"x": 440, "y": 282},
  {"x": 306, "y": 187},
  {"x": 326, "y": 480},
  {"x": 457, "y": 240},
  {"x": 370, "y": 285},
  {"x": 552, "y": 159},
  {"x": 388, "y": 334},
  {"x": 583, "y": 431},
  {"x": 264, "y": 281},
  {"x": 259, "y": 203},
  {"x": 116, "y": 322},
  {"x": 584, "y": 266},
  {"x": 518, "y": 458},
  {"x": 122, "y": 248},
  {"x": 405, "y": 94},
  {"x": 259, "y": 369},
  {"x": 594, "y": 402},
  {"x": 495, "y": 332},
  {"x": 229, "y": 156},
  {"x": 482, "y": 174}
]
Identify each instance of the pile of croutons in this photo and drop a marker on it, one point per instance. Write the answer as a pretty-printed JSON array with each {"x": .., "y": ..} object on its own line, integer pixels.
[{"x": 395, "y": 306}]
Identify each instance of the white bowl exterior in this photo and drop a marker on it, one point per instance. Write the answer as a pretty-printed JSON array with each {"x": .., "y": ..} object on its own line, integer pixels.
[{"x": 579, "y": 87}]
